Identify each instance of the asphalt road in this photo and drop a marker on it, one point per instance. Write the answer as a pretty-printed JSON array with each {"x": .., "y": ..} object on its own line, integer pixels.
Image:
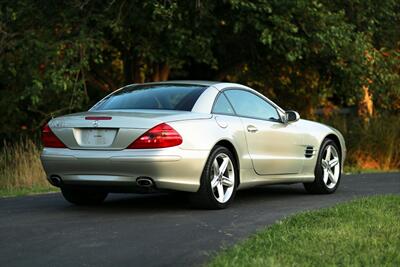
[{"x": 153, "y": 230}]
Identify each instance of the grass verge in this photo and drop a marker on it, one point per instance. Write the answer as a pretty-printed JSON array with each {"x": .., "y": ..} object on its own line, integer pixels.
[
  {"x": 363, "y": 232},
  {"x": 21, "y": 172},
  {"x": 27, "y": 191},
  {"x": 358, "y": 170}
]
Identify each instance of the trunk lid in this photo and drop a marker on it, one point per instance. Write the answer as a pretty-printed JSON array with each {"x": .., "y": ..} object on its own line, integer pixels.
[{"x": 112, "y": 130}]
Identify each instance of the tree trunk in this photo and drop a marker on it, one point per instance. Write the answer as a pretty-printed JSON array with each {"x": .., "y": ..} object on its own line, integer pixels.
[
  {"x": 366, "y": 104},
  {"x": 310, "y": 112},
  {"x": 132, "y": 68},
  {"x": 155, "y": 77},
  {"x": 138, "y": 75},
  {"x": 127, "y": 60},
  {"x": 308, "y": 108},
  {"x": 164, "y": 72}
]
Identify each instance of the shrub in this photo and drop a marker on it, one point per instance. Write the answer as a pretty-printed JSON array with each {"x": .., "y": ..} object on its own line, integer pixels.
[{"x": 372, "y": 144}]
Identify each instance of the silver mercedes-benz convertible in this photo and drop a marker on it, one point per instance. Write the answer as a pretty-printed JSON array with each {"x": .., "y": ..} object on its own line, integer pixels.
[{"x": 206, "y": 138}]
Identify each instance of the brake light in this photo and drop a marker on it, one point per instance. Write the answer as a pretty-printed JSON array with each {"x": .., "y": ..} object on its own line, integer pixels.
[
  {"x": 98, "y": 118},
  {"x": 160, "y": 136},
  {"x": 49, "y": 139}
]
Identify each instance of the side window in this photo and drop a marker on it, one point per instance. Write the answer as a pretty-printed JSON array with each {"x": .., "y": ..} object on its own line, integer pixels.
[
  {"x": 247, "y": 104},
  {"x": 222, "y": 106}
]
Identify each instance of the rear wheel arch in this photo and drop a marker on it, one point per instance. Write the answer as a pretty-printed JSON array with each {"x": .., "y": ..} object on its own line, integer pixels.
[
  {"x": 232, "y": 149},
  {"x": 207, "y": 196}
]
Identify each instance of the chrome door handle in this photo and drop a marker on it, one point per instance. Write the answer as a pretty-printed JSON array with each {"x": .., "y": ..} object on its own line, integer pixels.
[{"x": 252, "y": 129}]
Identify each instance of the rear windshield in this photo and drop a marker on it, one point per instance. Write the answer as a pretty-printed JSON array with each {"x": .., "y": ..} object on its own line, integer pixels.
[{"x": 165, "y": 96}]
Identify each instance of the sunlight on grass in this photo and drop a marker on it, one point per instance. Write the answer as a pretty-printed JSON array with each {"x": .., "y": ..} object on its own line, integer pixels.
[
  {"x": 364, "y": 232},
  {"x": 372, "y": 145},
  {"x": 20, "y": 169}
]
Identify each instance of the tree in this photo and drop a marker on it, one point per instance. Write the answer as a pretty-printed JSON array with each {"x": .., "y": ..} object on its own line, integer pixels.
[{"x": 60, "y": 57}]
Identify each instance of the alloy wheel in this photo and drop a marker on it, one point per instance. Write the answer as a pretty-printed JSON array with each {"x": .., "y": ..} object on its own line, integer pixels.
[
  {"x": 223, "y": 178},
  {"x": 330, "y": 163}
]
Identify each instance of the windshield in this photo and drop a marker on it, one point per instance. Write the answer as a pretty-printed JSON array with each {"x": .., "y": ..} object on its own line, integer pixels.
[{"x": 160, "y": 96}]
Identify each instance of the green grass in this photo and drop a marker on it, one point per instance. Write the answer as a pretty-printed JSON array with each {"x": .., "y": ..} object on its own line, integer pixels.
[
  {"x": 14, "y": 192},
  {"x": 364, "y": 232},
  {"x": 357, "y": 170}
]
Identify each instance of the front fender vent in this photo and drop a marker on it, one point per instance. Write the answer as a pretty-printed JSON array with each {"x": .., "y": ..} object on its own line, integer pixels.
[{"x": 310, "y": 151}]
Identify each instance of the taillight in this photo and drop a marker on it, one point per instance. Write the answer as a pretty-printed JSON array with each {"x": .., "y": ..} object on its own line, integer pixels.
[
  {"x": 160, "y": 136},
  {"x": 49, "y": 139}
]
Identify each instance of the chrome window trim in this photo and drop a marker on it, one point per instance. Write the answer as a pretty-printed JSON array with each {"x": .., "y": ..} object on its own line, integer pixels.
[
  {"x": 276, "y": 107},
  {"x": 229, "y": 102}
]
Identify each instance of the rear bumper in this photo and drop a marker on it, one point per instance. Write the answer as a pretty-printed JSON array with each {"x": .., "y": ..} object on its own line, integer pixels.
[{"x": 170, "y": 168}]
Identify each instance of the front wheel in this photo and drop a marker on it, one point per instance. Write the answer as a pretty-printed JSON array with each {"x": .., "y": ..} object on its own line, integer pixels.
[
  {"x": 218, "y": 182},
  {"x": 327, "y": 171},
  {"x": 83, "y": 196}
]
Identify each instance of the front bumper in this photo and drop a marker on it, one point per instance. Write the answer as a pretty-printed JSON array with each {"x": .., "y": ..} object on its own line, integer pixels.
[{"x": 170, "y": 168}]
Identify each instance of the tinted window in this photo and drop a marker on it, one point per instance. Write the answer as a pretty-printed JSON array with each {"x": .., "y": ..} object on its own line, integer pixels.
[
  {"x": 170, "y": 97},
  {"x": 222, "y": 105},
  {"x": 250, "y": 105}
]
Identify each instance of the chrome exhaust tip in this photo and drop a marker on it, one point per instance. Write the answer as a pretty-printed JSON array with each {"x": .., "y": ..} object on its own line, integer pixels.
[{"x": 144, "y": 182}]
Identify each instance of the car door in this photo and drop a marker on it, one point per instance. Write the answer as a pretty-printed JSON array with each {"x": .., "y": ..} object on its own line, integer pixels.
[{"x": 274, "y": 147}]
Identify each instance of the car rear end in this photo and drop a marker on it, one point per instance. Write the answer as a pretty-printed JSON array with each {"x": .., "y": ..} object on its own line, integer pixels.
[{"x": 123, "y": 149}]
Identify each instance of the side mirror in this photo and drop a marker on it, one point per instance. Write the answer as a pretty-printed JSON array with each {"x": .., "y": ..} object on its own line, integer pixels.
[{"x": 292, "y": 116}]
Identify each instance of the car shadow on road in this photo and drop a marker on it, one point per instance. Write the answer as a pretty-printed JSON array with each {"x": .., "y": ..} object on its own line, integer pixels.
[
  {"x": 268, "y": 193},
  {"x": 179, "y": 201}
]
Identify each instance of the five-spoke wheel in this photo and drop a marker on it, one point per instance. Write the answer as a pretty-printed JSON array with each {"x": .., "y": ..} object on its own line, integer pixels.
[
  {"x": 331, "y": 167},
  {"x": 327, "y": 170},
  {"x": 218, "y": 182},
  {"x": 223, "y": 178}
]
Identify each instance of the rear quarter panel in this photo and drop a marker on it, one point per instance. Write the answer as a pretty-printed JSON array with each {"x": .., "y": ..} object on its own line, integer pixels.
[{"x": 204, "y": 134}]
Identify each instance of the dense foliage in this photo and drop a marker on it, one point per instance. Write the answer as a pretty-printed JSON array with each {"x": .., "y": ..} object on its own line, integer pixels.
[{"x": 62, "y": 56}]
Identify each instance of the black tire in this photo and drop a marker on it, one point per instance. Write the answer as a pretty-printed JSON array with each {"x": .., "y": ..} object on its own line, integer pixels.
[
  {"x": 318, "y": 186},
  {"x": 83, "y": 196},
  {"x": 204, "y": 198}
]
